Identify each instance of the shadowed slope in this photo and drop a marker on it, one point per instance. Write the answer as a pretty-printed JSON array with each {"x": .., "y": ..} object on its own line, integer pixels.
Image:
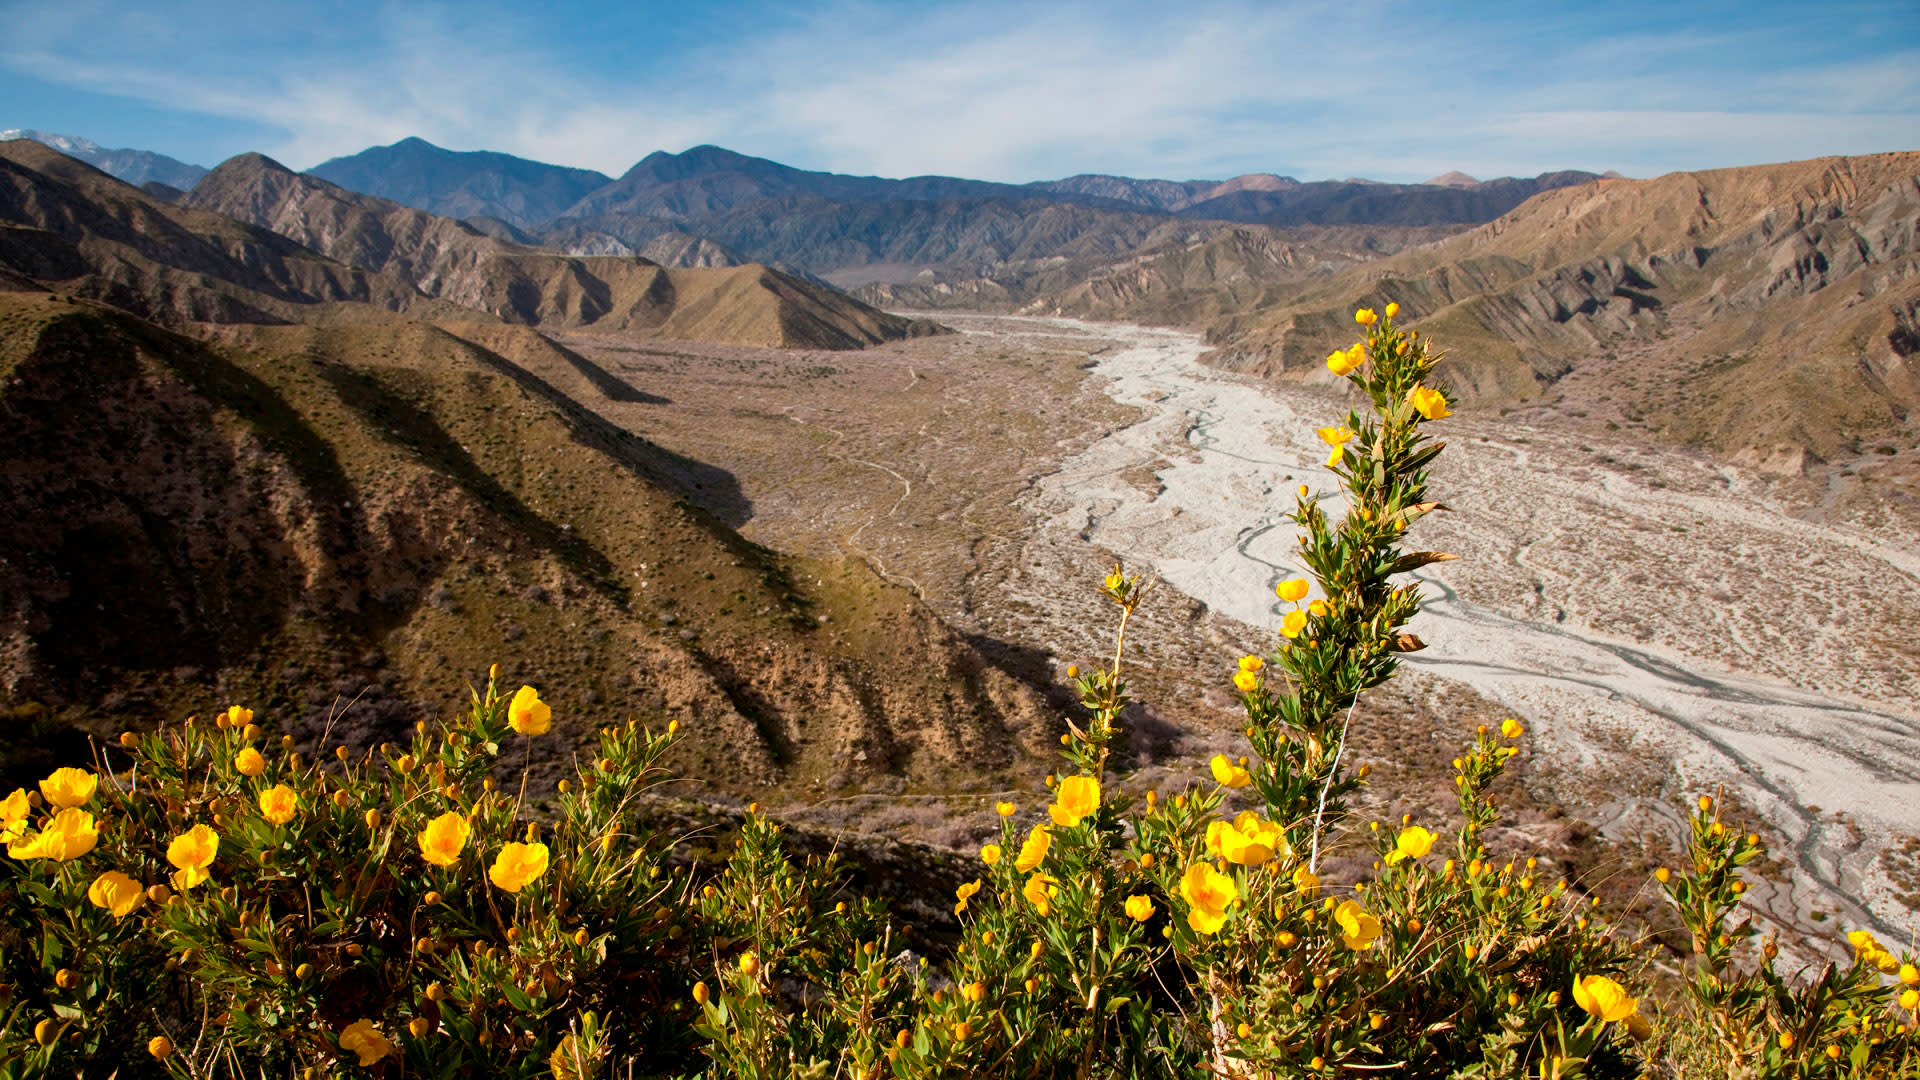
[{"x": 300, "y": 517}]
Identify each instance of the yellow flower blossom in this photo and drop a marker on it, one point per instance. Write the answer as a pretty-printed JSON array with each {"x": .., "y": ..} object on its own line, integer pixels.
[
  {"x": 1414, "y": 843},
  {"x": 1139, "y": 908},
  {"x": 191, "y": 853},
  {"x": 1305, "y": 883},
  {"x": 1251, "y": 663},
  {"x": 248, "y": 762},
  {"x": 443, "y": 839},
  {"x": 1604, "y": 998},
  {"x": 1034, "y": 850},
  {"x": 236, "y": 717},
  {"x": 1910, "y": 999},
  {"x": 13, "y": 815},
  {"x": 1078, "y": 797},
  {"x": 1004, "y": 809},
  {"x": 990, "y": 854},
  {"x": 1335, "y": 436},
  {"x": 1294, "y": 623},
  {"x": 1246, "y": 681},
  {"x": 1358, "y": 929},
  {"x": 1227, "y": 774},
  {"x": 1208, "y": 894},
  {"x": 965, "y": 893},
  {"x": 1429, "y": 403},
  {"x": 1511, "y": 728},
  {"x": 278, "y": 804},
  {"x": 362, "y": 1038},
  {"x": 1365, "y": 317},
  {"x": 517, "y": 865},
  {"x": 1392, "y": 310},
  {"x": 1343, "y": 361},
  {"x": 1247, "y": 840},
  {"x": 1910, "y": 975},
  {"x": 527, "y": 714},
  {"x": 116, "y": 892},
  {"x": 69, "y": 835},
  {"x": 1039, "y": 891},
  {"x": 68, "y": 787},
  {"x": 1292, "y": 591}
]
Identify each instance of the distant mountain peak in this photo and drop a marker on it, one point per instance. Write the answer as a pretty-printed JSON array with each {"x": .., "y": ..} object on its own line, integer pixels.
[
  {"x": 1455, "y": 178},
  {"x": 136, "y": 167}
]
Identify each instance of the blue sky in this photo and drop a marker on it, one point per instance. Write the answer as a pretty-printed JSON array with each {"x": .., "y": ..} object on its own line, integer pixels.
[{"x": 1000, "y": 91}]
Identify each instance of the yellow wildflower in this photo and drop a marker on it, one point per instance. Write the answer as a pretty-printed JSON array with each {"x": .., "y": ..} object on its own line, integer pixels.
[
  {"x": 965, "y": 893},
  {"x": 1247, "y": 840},
  {"x": 1078, "y": 797},
  {"x": 1004, "y": 809},
  {"x": 1511, "y": 728},
  {"x": 444, "y": 838},
  {"x": 1910, "y": 999},
  {"x": 1339, "y": 435},
  {"x": 1208, "y": 894},
  {"x": 1251, "y": 663},
  {"x": 1910, "y": 975},
  {"x": 1294, "y": 623},
  {"x": 13, "y": 815},
  {"x": 1115, "y": 580},
  {"x": 362, "y": 1038},
  {"x": 527, "y": 714},
  {"x": 68, "y": 787},
  {"x": 160, "y": 1047},
  {"x": 69, "y": 835},
  {"x": 248, "y": 762},
  {"x": 1040, "y": 892},
  {"x": 236, "y": 717},
  {"x": 1365, "y": 317},
  {"x": 1602, "y": 997},
  {"x": 1342, "y": 361},
  {"x": 517, "y": 865},
  {"x": 1429, "y": 403},
  {"x": 990, "y": 854},
  {"x": 1140, "y": 908},
  {"x": 116, "y": 892},
  {"x": 1414, "y": 843},
  {"x": 191, "y": 853},
  {"x": 1034, "y": 850},
  {"x": 1305, "y": 883},
  {"x": 1292, "y": 591},
  {"x": 278, "y": 804},
  {"x": 1392, "y": 310},
  {"x": 1358, "y": 929},
  {"x": 1246, "y": 681},
  {"x": 1227, "y": 774}
]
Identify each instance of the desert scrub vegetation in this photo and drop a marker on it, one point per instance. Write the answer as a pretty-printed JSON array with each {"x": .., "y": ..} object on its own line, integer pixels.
[{"x": 207, "y": 902}]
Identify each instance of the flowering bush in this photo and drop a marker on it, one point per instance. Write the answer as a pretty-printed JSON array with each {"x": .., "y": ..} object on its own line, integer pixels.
[{"x": 206, "y": 902}]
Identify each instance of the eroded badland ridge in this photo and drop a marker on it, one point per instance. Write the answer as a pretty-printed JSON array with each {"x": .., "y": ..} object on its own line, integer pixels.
[{"x": 344, "y": 449}]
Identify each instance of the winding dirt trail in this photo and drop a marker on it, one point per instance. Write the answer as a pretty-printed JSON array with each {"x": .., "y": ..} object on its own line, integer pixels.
[{"x": 1664, "y": 628}]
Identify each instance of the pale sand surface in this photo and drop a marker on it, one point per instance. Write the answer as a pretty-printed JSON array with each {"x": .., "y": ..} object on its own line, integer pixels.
[{"x": 1665, "y": 628}]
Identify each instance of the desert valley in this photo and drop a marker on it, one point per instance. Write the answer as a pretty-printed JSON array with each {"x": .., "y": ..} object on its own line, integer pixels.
[{"x": 828, "y": 471}]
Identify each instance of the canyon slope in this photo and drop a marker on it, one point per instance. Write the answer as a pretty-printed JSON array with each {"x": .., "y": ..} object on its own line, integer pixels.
[
  {"x": 1770, "y": 312},
  {"x": 235, "y": 473}
]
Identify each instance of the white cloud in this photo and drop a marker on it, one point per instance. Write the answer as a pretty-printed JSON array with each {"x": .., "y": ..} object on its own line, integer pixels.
[{"x": 999, "y": 91}]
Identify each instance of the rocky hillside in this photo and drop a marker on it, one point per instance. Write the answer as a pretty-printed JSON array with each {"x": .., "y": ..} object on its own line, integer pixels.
[
  {"x": 65, "y": 224},
  {"x": 1771, "y": 311},
  {"x": 338, "y": 524}
]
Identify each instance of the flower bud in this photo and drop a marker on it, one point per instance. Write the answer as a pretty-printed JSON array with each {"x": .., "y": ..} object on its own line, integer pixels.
[
  {"x": 701, "y": 995},
  {"x": 160, "y": 1047}
]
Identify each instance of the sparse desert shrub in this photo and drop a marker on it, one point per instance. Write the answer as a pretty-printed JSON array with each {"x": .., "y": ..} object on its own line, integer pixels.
[{"x": 206, "y": 903}]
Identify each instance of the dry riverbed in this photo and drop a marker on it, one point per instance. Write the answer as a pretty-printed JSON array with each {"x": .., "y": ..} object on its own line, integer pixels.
[{"x": 1665, "y": 624}]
